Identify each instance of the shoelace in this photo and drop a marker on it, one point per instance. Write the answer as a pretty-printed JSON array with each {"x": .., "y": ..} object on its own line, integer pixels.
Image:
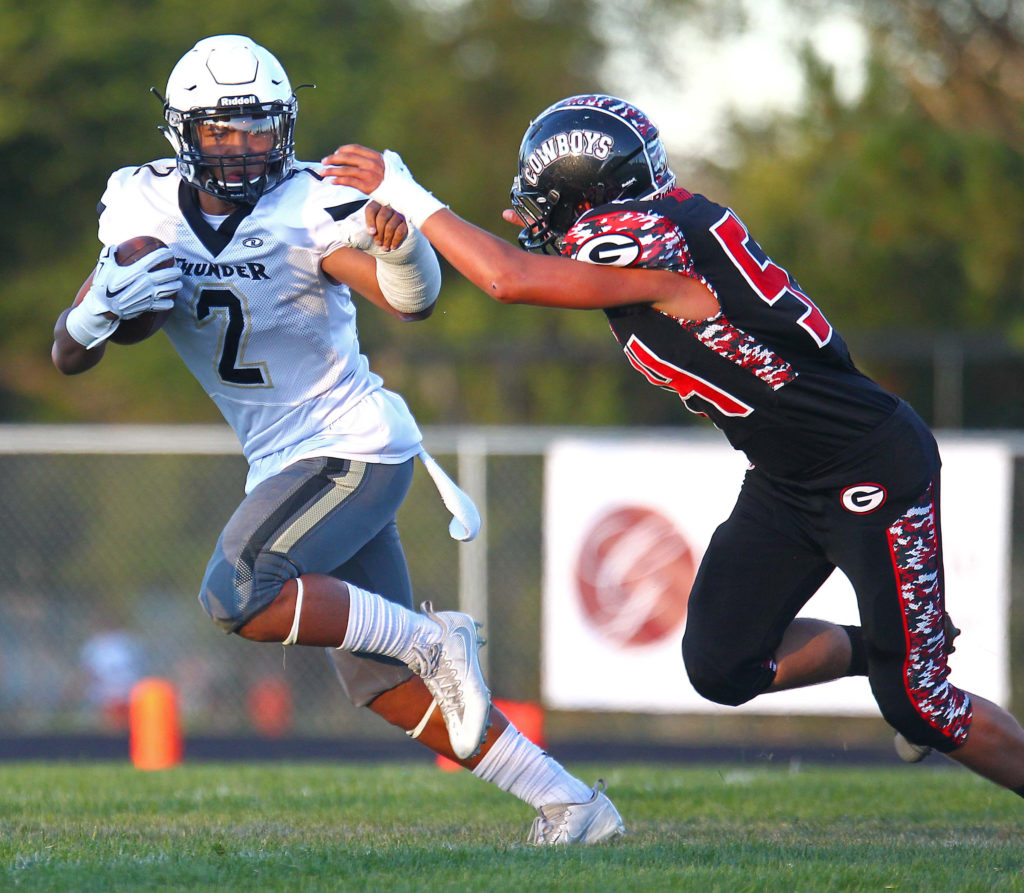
[
  {"x": 545, "y": 825},
  {"x": 448, "y": 682},
  {"x": 442, "y": 674}
]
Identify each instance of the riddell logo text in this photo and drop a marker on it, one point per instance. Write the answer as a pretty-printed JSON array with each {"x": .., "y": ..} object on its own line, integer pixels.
[
  {"x": 575, "y": 142},
  {"x": 248, "y": 99}
]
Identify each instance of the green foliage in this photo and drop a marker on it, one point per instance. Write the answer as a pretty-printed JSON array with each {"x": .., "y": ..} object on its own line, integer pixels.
[
  {"x": 450, "y": 87},
  {"x": 377, "y": 827},
  {"x": 887, "y": 217},
  {"x": 898, "y": 209}
]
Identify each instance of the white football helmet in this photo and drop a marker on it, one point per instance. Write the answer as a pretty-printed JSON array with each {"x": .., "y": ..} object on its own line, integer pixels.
[{"x": 230, "y": 113}]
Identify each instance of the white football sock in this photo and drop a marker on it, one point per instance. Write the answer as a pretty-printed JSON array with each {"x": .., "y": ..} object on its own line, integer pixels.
[
  {"x": 379, "y": 626},
  {"x": 517, "y": 765}
]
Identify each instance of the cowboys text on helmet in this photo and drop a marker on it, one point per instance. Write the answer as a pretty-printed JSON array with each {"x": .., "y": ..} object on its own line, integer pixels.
[{"x": 575, "y": 142}]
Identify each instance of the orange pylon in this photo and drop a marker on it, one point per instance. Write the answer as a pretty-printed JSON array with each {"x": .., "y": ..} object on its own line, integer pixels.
[{"x": 155, "y": 736}]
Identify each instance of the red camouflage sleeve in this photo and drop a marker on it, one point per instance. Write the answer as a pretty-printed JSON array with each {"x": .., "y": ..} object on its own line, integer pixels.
[{"x": 628, "y": 238}]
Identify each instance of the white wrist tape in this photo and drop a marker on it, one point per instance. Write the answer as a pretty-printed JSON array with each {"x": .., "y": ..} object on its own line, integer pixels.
[
  {"x": 399, "y": 190},
  {"x": 88, "y": 327},
  {"x": 409, "y": 276}
]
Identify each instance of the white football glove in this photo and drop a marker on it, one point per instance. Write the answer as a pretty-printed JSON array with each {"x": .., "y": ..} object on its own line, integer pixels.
[
  {"x": 399, "y": 190},
  {"x": 135, "y": 289},
  {"x": 125, "y": 292}
]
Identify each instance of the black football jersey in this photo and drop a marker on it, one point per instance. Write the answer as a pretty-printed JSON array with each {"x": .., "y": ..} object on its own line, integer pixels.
[{"x": 768, "y": 368}]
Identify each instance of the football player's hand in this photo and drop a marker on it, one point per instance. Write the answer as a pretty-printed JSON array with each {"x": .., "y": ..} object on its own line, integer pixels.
[
  {"x": 386, "y": 225},
  {"x": 511, "y": 216},
  {"x": 355, "y": 166},
  {"x": 385, "y": 178},
  {"x": 126, "y": 292},
  {"x": 117, "y": 293}
]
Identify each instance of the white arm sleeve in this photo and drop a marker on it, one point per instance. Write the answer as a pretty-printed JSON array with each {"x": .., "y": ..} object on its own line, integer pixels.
[{"x": 409, "y": 276}]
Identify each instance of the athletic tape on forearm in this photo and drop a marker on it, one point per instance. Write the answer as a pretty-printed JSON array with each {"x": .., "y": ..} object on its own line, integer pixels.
[
  {"x": 409, "y": 276},
  {"x": 87, "y": 328}
]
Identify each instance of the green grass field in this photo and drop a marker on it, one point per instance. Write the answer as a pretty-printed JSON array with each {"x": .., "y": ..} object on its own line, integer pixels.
[{"x": 297, "y": 826}]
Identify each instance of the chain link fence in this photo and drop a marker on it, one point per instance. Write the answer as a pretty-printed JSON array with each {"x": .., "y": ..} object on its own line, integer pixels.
[{"x": 106, "y": 534}]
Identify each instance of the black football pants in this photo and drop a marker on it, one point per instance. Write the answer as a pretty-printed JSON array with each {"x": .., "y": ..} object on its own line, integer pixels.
[{"x": 877, "y": 520}]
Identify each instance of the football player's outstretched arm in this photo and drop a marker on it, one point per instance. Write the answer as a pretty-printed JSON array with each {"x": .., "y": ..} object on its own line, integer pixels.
[{"x": 503, "y": 271}]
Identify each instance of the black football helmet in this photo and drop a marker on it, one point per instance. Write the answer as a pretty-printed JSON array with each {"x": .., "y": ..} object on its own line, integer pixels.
[{"x": 579, "y": 153}]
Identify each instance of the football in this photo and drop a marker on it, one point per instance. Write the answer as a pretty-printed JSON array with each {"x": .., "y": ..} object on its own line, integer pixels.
[{"x": 132, "y": 331}]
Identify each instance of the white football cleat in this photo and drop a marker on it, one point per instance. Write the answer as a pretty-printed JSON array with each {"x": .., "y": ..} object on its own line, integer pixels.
[
  {"x": 561, "y": 824},
  {"x": 450, "y": 668},
  {"x": 909, "y": 752}
]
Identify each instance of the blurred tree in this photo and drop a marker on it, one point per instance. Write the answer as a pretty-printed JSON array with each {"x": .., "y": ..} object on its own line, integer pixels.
[
  {"x": 897, "y": 219},
  {"x": 911, "y": 177},
  {"x": 963, "y": 60},
  {"x": 895, "y": 208},
  {"x": 449, "y": 83}
]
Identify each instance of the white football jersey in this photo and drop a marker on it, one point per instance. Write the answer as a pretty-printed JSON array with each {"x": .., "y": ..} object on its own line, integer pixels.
[{"x": 267, "y": 335}]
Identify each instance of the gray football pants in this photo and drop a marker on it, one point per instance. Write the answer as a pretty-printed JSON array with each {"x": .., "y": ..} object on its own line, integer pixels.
[{"x": 325, "y": 516}]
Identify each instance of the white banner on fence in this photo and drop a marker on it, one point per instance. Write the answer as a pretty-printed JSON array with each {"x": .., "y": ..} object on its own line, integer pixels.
[{"x": 626, "y": 523}]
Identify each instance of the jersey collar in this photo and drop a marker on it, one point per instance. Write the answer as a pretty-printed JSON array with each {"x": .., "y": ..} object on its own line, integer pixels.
[{"x": 214, "y": 240}]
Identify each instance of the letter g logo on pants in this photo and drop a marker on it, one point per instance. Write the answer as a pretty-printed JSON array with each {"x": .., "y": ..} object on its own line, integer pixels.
[{"x": 863, "y": 498}]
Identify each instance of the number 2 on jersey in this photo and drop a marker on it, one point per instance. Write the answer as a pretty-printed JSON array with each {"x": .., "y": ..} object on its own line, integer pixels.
[
  {"x": 229, "y": 367},
  {"x": 767, "y": 278}
]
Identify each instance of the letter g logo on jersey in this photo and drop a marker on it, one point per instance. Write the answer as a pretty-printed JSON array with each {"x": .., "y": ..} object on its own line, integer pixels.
[
  {"x": 863, "y": 498},
  {"x": 610, "y": 250}
]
